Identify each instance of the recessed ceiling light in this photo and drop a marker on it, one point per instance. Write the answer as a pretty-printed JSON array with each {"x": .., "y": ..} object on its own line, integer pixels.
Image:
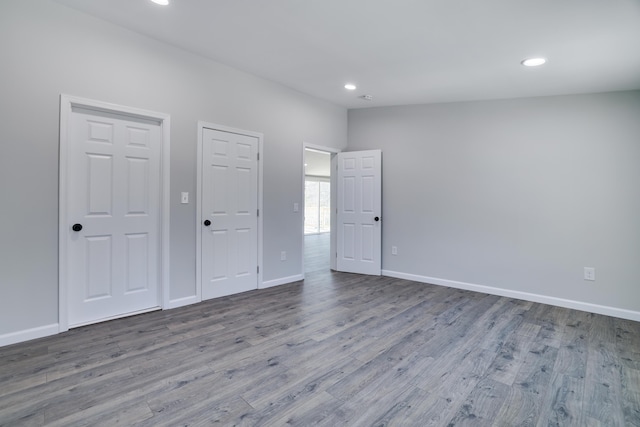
[
  {"x": 161, "y": 2},
  {"x": 533, "y": 62},
  {"x": 350, "y": 86}
]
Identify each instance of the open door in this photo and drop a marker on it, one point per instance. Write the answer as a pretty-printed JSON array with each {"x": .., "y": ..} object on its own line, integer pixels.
[{"x": 359, "y": 212}]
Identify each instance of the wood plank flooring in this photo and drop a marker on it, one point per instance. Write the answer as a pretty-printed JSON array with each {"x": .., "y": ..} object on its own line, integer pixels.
[
  {"x": 335, "y": 350},
  {"x": 316, "y": 252}
]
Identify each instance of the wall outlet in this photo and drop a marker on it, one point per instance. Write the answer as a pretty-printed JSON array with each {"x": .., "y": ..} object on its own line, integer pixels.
[
  {"x": 296, "y": 207},
  {"x": 184, "y": 197},
  {"x": 589, "y": 273},
  {"x": 394, "y": 250},
  {"x": 283, "y": 256}
]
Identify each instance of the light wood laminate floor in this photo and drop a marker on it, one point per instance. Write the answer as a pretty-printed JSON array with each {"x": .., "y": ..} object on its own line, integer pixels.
[{"x": 337, "y": 349}]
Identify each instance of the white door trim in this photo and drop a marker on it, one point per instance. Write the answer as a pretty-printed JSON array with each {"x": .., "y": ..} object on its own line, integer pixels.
[
  {"x": 334, "y": 187},
  {"x": 201, "y": 126},
  {"x": 67, "y": 102}
]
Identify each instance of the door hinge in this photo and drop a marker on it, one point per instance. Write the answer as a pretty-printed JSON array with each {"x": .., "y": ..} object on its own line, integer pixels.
[
  {"x": 258, "y": 212},
  {"x": 258, "y": 269},
  {"x": 258, "y": 156}
]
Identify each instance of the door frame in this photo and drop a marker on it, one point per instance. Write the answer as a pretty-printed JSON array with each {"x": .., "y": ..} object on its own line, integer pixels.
[
  {"x": 333, "y": 185},
  {"x": 214, "y": 126},
  {"x": 67, "y": 103}
]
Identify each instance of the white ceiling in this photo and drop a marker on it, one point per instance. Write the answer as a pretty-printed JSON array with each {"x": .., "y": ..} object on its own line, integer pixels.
[
  {"x": 317, "y": 163},
  {"x": 403, "y": 51}
]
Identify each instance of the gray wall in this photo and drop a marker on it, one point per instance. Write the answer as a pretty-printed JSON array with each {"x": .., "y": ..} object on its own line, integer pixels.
[
  {"x": 516, "y": 194},
  {"x": 47, "y": 49}
]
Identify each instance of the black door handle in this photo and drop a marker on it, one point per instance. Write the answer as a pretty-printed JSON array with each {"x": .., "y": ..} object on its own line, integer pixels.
[
  {"x": 376, "y": 219},
  {"x": 76, "y": 227},
  {"x": 207, "y": 222}
]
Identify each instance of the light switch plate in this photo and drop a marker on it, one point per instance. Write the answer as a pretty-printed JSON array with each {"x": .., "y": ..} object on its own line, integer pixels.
[
  {"x": 296, "y": 207},
  {"x": 184, "y": 197}
]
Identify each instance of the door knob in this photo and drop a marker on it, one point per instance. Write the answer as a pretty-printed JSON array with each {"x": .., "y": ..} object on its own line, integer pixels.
[
  {"x": 376, "y": 219},
  {"x": 207, "y": 222},
  {"x": 76, "y": 227}
]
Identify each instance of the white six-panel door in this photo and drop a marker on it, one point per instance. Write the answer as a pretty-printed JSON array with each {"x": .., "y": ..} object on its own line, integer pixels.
[
  {"x": 113, "y": 200},
  {"x": 359, "y": 212},
  {"x": 229, "y": 217}
]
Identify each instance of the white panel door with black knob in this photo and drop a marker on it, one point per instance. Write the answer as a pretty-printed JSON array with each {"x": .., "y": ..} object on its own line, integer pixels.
[
  {"x": 112, "y": 225},
  {"x": 229, "y": 212},
  {"x": 359, "y": 212}
]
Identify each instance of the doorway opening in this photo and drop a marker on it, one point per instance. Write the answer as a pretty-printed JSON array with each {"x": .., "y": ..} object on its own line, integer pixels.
[
  {"x": 319, "y": 208},
  {"x": 317, "y": 192}
]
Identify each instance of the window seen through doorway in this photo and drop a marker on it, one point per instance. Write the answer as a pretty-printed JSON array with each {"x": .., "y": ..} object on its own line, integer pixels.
[{"x": 317, "y": 196}]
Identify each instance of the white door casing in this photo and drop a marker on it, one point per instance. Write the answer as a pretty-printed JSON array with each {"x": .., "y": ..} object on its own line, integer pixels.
[
  {"x": 359, "y": 212},
  {"x": 112, "y": 187},
  {"x": 229, "y": 203}
]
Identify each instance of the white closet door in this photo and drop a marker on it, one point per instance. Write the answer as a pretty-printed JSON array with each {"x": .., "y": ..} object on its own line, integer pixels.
[
  {"x": 229, "y": 213},
  {"x": 113, "y": 215}
]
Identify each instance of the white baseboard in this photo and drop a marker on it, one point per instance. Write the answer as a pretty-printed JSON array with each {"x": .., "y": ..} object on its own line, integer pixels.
[
  {"x": 181, "y": 302},
  {"x": 544, "y": 299},
  {"x": 28, "y": 334},
  {"x": 281, "y": 281}
]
